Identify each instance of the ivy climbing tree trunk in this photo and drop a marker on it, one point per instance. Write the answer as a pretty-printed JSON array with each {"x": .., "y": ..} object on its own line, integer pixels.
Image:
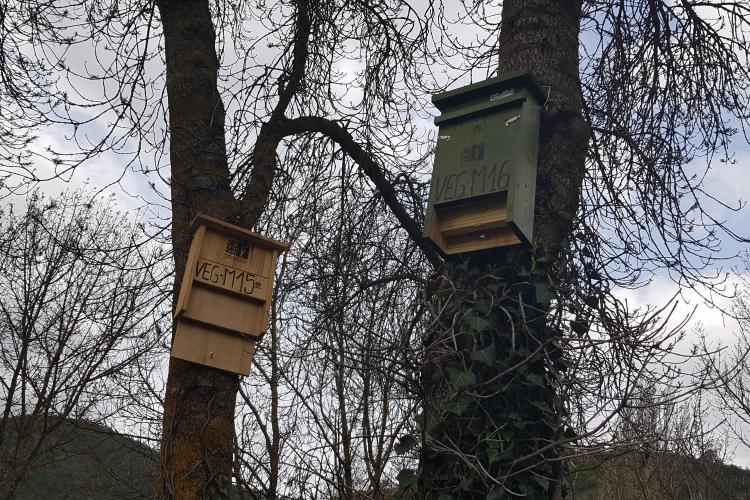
[
  {"x": 198, "y": 434},
  {"x": 492, "y": 418}
]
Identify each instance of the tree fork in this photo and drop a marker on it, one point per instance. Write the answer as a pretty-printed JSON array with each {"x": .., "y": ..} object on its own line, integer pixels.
[{"x": 198, "y": 433}]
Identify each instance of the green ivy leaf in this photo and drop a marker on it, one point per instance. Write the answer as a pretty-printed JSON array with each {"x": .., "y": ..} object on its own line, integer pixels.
[
  {"x": 543, "y": 294},
  {"x": 535, "y": 379},
  {"x": 406, "y": 478},
  {"x": 528, "y": 490},
  {"x": 541, "y": 261},
  {"x": 485, "y": 356},
  {"x": 419, "y": 419},
  {"x": 458, "y": 406},
  {"x": 542, "y": 481},
  {"x": 507, "y": 434},
  {"x": 495, "y": 495},
  {"x": 479, "y": 323},
  {"x": 406, "y": 444},
  {"x": 493, "y": 451},
  {"x": 484, "y": 306},
  {"x": 461, "y": 378}
]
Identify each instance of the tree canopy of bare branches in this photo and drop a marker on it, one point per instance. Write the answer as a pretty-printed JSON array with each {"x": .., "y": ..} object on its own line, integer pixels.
[
  {"x": 306, "y": 119},
  {"x": 80, "y": 295}
]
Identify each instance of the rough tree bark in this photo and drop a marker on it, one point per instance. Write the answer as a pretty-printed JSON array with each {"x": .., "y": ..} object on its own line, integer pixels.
[
  {"x": 197, "y": 440},
  {"x": 542, "y": 37}
]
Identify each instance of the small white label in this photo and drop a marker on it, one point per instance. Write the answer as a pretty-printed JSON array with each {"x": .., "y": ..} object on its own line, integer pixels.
[
  {"x": 511, "y": 120},
  {"x": 444, "y": 137},
  {"x": 502, "y": 95}
]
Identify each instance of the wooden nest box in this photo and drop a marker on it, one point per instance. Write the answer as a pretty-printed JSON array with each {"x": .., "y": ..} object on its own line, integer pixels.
[
  {"x": 225, "y": 297},
  {"x": 484, "y": 178}
]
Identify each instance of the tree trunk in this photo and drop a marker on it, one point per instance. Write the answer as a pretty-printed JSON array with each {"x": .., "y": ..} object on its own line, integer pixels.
[
  {"x": 542, "y": 37},
  {"x": 198, "y": 433},
  {"x": 491, "y": 415},
  {"x": 274, "y": 453}
]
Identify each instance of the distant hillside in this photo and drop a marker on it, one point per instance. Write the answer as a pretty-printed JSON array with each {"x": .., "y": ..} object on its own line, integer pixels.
[
  {"x": 83, "y": 461},
  {"x": 639, "y": 476},
  {"x": 90, "y": 462}
]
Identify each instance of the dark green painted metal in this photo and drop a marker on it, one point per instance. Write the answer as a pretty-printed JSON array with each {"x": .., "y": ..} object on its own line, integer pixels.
[{"x": 488, "y": 142}]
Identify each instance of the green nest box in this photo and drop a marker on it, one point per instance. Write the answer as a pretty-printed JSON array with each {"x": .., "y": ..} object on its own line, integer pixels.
[{"x": 484, "y": 179}]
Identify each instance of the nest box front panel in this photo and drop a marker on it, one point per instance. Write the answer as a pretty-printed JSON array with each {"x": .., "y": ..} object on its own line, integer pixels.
[
  {"x": 214, "y": 348},
  {"x": 231, "y": 283},
  {"x": 225, "y": 298},
  {"x": 482, "y": 191},
  {"x": 234, "y": 265},
  {"x": 475, "y": 157}
]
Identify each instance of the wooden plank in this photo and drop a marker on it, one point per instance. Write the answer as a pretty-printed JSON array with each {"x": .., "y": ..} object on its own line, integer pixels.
[
  {"x": 237, "y": 232},
  {"x": 187, "y": 279},
  {"x": 472, "y": 226},
  {"x": 214, "y": 348},
  {"x": 473, "y": 217},
  {"x": 481, "y": 240},
  {"x": 238, "y": 281},
  {"x": 435, "y": 234},
  {"x": 228, "y": 312},
  {"x": 222, "y": 249}
]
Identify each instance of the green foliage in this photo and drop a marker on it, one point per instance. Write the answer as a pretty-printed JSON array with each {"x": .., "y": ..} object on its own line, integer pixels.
[
  {"x": 406, "y": 444},
  {"x": 219, "y": 488},
  {"x": 460, "y": 379},
  {"x": 491, "y": 403},
  {"x": 406, "y": 479},
  {"x": 485, "y": 356}
]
